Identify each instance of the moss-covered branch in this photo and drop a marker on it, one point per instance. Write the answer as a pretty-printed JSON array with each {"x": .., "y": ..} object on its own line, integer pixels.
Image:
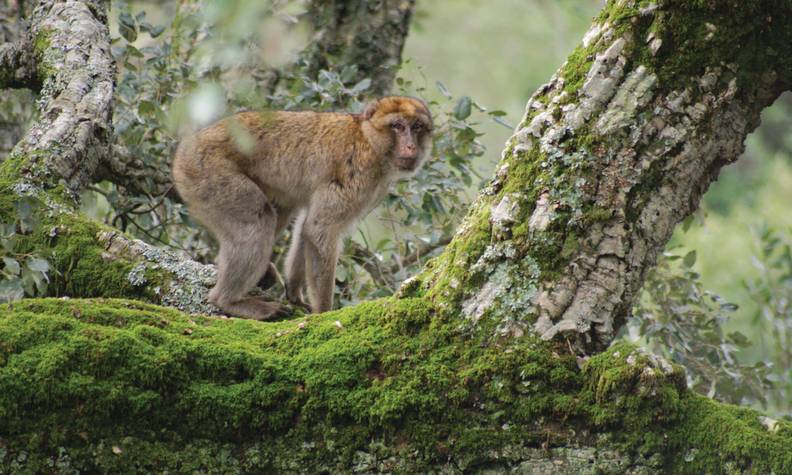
[{"x": 388, "y": 386}]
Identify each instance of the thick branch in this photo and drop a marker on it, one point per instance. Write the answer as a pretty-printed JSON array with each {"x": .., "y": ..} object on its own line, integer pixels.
[
  {"x": 72, "y": 50},
  {"x": 610, "y": 156},
  {"x": 410, "y": 384},
  {"x": 64, "y": 147},
  {"x": 370, "y": 34}
]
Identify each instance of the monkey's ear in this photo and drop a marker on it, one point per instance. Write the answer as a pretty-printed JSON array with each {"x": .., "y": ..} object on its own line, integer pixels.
[{"x": 370, "y": 109}]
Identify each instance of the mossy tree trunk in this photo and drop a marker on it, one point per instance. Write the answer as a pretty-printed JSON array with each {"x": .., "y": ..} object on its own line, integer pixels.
[
  {"x": 611, "y": 154},
  {"x": 482, "y": 362}
]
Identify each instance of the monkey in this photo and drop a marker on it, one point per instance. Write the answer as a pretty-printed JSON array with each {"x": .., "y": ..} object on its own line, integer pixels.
[{"x": 250, "y": 175}]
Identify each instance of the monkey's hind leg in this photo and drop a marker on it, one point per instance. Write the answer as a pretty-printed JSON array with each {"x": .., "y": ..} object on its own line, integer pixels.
[{"x": 246, "y": 231}]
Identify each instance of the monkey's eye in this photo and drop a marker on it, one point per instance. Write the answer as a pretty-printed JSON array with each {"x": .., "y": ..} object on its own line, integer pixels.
[
  {"x": 417, "y": 127},
  {"x": 397, "y": 126}
]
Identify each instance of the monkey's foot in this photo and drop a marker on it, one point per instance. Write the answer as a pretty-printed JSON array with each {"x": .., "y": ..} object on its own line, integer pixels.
[{"x": 254, "y": 308}]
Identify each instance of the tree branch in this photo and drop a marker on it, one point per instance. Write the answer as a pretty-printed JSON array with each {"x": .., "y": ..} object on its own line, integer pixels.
[
  {"x": 448, "y": 378},
  {"x": 57, "y": 157}
]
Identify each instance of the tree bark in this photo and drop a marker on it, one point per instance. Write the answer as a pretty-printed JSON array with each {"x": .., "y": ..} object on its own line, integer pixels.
[
  {"x": 58, "y": 156},
  {"x": 611, "y": 154},
  {"x": 480, "y": 364}
]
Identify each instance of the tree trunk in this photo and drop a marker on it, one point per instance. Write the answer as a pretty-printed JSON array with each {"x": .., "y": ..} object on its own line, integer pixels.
[
  {"x": 367, "y": 33},
  {"x": 481, "y": 362},
  {"x": 611, "y": 154}
]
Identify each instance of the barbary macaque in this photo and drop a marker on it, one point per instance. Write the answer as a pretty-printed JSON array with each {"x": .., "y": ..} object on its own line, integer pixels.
[{"x": 248, "y": 176}]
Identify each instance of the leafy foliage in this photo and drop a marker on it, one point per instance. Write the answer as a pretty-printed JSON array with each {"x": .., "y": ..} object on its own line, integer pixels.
[
  {"x": 21, "y": 273},
  {"x": 680, "y": 320},
  {"x": 772, "y": 293}
]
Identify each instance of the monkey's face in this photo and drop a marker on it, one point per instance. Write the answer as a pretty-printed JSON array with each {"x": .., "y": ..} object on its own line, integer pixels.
[
  {"x": 408, "y": 147},
  {"x": 405, "y": 124}
]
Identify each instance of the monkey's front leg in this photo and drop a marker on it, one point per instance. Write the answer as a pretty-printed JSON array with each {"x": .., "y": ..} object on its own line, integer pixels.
[
  {"x": 295, "y": 264},
  {"x": 321, "y": 256}
]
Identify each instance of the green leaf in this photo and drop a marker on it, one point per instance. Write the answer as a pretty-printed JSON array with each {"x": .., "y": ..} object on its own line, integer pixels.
[
  {"x": 689, "y": 259},
  {"x": 134, "y": 52},
  {"x": 11, "y": 265},
  {"x": 11, "y": 290},
  {"x": 462, "y": 110},
  {"x": 443, "y": 90},
  {"x": 127, "y": 26},
  {"x": 686, "y": 223},
  {"x": 156, "y": 30},
  {"x": 38, "y": 265},
  {"x": 360, "y": 87},
  {"x": 146, "y": 108}
]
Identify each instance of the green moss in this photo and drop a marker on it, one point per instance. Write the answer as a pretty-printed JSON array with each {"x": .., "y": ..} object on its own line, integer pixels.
[
  {"x": 118, "y": 385},
  {"x": 576, "y": 68},
  {"x": 41, "y": 51},
  {"x": 448, "y": 276},
  {"x": 115, "y": 369},
  {"x": 80, "y": 268},
  {"x": 68, "y": 240},
  {"x": 716, "y": 438}
]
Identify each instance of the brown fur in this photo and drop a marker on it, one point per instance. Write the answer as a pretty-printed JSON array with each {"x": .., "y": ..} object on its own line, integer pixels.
[{"x": 247, "y": 176}]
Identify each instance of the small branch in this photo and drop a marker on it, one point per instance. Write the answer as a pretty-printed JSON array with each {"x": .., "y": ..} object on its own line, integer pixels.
[
  {"x": 370, "y": 263},
  {"x": 422, "y": 250},
  {"x": 386, "y": 276}
]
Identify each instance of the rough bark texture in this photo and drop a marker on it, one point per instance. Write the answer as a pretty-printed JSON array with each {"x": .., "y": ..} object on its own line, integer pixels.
[
  {"x": 612, "y": 153},
  {"x": 72, "y": 50},
  {"x": 464, "y": 371}
]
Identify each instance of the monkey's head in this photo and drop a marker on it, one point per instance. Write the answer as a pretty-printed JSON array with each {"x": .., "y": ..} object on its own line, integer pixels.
[{"x": 400, "y": 128}]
